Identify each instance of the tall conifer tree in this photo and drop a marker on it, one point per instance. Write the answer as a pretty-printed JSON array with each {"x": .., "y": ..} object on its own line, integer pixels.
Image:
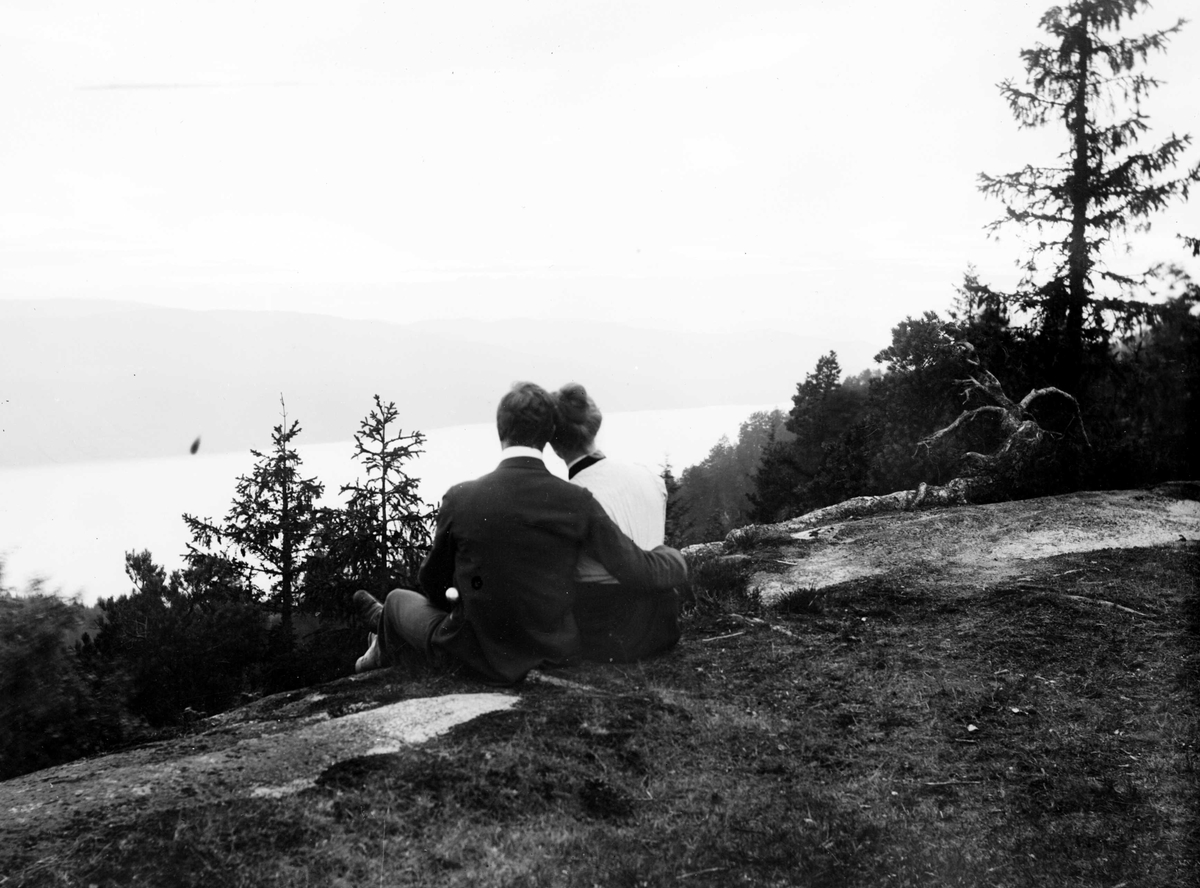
[{"x": 1087, "y": 78}]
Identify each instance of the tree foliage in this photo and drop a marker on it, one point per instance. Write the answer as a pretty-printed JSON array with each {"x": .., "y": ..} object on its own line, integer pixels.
[
  {"x": 1143, "y": 412},
  {"x": 179, "y": 648},
  {"x": 266, "y": 537},
  {"x": 713, "y": 495},
  {"x": 808, "y": 465}
]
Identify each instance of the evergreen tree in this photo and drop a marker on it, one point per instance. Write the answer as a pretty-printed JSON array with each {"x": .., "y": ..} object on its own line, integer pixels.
[
  {"x": 383, "y": 534},
  {"x": 820, "y": 407},
  {"x": 176, "y": 646},
  {"x": 715, "y": 493},
  {"x": 1150, "y": 431},
  {"x": 677, "y": 523},
  {"x": 792, "y": 476},
  {"x": 268, "y": 532},
  {"x": 777, "y": 482},
  {"x": 1103, "y": 183}
]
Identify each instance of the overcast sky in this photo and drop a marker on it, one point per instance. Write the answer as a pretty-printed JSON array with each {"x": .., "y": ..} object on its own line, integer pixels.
[{"x": 695, "y": 163}]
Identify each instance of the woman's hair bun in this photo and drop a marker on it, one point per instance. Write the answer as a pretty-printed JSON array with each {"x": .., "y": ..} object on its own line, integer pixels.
[
  {"x": 573, "y": 402},
  {"x": 578, "y": 418}
]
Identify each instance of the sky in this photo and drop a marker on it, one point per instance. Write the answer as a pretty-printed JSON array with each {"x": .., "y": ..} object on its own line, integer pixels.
[{"x": 691, "y": 165}]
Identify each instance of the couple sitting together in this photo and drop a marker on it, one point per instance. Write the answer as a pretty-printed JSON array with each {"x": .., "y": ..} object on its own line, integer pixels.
[{"x": 548, "y": 572}]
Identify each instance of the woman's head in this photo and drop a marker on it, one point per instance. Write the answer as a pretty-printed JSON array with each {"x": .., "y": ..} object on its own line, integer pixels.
[{"x": 577, "y": 420}]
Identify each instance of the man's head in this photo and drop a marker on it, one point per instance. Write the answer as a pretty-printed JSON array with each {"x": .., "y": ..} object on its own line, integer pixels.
[{"x": 525, "y": 416}]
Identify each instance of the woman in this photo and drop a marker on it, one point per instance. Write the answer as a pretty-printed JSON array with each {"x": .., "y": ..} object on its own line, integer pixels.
[{"x": 617, "y": 624}]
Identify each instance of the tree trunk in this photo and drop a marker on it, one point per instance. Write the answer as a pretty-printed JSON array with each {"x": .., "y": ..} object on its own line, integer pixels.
[
  {"x": 1077, "y": 259},
  {"x": 286, "y": 544},
  {"x": 383, "y": 517}
]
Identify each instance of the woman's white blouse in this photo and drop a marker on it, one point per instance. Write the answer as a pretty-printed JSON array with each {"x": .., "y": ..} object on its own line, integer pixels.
[{"x": 634, "y": 497}]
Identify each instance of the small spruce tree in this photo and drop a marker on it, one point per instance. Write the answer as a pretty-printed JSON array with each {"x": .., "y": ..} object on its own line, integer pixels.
[
  {"x": 381, "y": 536},
  {"x": 386, "y": 511},
  {"x": 268, "y": 532}
]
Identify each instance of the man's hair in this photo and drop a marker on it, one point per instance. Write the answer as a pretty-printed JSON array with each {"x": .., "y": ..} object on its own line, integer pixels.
[
  {"x": 525, "y": 416},
  {"x": 577, "y": 418}
]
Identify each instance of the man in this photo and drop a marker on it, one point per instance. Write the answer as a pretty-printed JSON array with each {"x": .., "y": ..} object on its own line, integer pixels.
[{"x": 509, "y": 543}]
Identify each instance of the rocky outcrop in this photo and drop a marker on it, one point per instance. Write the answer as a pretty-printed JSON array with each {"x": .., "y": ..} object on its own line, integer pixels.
[
  {"x": 877, "y": 536},
  {"x": 276, "y": 746}
]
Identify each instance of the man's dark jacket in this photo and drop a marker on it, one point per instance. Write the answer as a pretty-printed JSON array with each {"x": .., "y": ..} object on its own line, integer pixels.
[{"x": 509, "y": 542}]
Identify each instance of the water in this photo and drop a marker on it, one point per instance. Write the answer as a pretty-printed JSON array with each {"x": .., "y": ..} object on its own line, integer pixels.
[{"x": 72, "y": 524}]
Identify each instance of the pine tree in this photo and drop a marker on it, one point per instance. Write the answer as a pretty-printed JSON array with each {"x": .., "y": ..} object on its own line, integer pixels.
[
  {"x": 268, "y": 530},
  {"x": 1103, "y": 183}
]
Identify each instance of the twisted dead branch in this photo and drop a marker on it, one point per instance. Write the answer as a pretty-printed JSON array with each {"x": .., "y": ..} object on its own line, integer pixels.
[{"x": 1006, "y": 472}]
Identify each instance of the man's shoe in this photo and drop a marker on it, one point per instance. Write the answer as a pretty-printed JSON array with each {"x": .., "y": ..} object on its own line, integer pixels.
[
  {"x": 368, "y": 606},
  {"x": 372, "y": 659}
]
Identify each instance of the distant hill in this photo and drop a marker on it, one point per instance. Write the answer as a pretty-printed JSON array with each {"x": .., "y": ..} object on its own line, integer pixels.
[{"x": 85, "y": 380}]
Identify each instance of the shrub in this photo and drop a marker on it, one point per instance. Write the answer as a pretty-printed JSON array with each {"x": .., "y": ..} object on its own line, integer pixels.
[{"x": 181, "y": 654}]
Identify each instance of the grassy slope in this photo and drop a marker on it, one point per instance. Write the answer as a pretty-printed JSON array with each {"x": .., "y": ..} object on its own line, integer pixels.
[{"x": 895, "y": 732}]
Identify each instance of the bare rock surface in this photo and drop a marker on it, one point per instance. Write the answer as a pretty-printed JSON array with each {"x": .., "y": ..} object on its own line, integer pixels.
[
  {"x": 276, "y": 746},
  {"x": 972, "y": 545}
]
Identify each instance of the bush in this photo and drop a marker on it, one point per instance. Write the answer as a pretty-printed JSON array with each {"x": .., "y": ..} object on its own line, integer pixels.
[{"x": 180, "y": 655}]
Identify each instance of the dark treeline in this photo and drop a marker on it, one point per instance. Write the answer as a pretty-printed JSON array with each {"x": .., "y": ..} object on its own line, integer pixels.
[
  {"x": 262, "y": 604},
  {"x": 1103, "y": 365}
]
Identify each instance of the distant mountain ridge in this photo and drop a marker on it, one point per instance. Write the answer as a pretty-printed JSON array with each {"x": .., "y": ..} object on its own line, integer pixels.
[{"x": 84, "y": 381}]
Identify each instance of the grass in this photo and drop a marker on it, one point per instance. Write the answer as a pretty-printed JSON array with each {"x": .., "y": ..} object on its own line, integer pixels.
[{"x": 895, "y": 732}]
